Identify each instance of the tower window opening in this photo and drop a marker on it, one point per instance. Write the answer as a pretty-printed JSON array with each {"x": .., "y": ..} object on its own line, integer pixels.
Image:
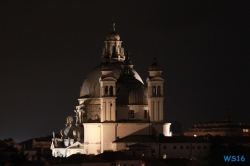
[
  {"x": 114, "y": 51},
  {"x": 158, "y": 91},
  {"x": 106, "y": 90},
  {"x": 111, "y": 90},
  {"x": 145, "y": 114},
  {"x": 131, "y": 114},
  {"x": 154, "y": 91}
]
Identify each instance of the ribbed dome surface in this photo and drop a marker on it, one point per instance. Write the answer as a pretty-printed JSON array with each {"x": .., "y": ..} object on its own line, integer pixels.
[{"x": 91, "y": 85}]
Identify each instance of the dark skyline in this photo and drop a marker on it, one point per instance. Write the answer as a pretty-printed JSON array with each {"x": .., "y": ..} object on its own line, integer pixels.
[{"x": 48, "y": 48}]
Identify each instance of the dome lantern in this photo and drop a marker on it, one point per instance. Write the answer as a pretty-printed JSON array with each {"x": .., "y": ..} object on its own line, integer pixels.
[
  {"x": 155, "y": 66},
  {"x": 127, "y": 66},
  {"x": 113, "y": 50},
  {"x": 154, "y": 69}
]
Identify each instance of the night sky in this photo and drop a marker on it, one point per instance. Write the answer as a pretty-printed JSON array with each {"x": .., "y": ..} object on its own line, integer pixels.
[{"x": 48, "y": 47}]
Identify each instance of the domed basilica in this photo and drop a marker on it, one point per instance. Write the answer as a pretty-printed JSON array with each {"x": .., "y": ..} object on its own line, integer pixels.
[{"x": 114, "y": 104}]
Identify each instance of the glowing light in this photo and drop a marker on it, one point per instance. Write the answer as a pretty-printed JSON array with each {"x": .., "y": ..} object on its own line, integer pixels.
[
  {"x": 166, "y": 130},
  {"x": 245, "y": 130},
  {"x": 195, "y": 135}
]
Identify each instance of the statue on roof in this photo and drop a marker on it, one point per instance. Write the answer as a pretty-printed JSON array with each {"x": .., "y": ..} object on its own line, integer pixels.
[
  {"x": 79, "y": 114},
  {"x": 67, "y": 130}
]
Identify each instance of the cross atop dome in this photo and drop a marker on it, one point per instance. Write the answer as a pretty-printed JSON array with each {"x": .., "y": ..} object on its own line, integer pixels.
[
  {"x": 112, "y": 26},
  {"x": 155, "y": 66},
  {"x": 113, "y": 36}
]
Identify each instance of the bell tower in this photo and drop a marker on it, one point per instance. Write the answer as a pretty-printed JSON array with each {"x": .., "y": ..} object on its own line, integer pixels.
[
  {"x": 107, "y": 93},
  {"x": 155, "y": 92}
]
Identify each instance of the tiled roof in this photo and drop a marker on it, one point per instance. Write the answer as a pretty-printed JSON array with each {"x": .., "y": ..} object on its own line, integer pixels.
[
  {"x": 136, "y": 138},
  {"x": 137, "y": 145}
]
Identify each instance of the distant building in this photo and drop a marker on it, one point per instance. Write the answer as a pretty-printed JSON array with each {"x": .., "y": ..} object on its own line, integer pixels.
[
  {"x": 36, "y": 147},
  {"x": 182, "y": 147},
  {"x": 222, "y": 128},
  {"x": 199, "y": 149}
]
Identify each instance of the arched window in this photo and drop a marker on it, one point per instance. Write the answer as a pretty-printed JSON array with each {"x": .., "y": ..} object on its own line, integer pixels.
[
  {"x": 111, "y": 90},
  {"x": 154, "y": 91},
  {"x": 158, "y": 91},
  {"x": 106, "y": 90},
  {"x": 131, "y": 114}
]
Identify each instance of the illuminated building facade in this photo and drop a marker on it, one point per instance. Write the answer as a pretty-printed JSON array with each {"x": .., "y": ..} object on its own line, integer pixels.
[
  {"x": 114, "y": 103},
  {"x": 222, "y": 128},
  {"x": 219, "y": 128}
]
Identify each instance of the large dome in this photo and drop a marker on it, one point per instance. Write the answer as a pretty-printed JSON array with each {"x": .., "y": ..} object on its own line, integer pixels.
[{"x": 91, "y": 85}]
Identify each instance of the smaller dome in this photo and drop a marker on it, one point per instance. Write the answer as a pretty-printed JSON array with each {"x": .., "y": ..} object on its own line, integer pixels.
[
  {"x": 155, "y": 66},
  {"x": 127, "y": 61},
  {"x": 113, "y": 36}
]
